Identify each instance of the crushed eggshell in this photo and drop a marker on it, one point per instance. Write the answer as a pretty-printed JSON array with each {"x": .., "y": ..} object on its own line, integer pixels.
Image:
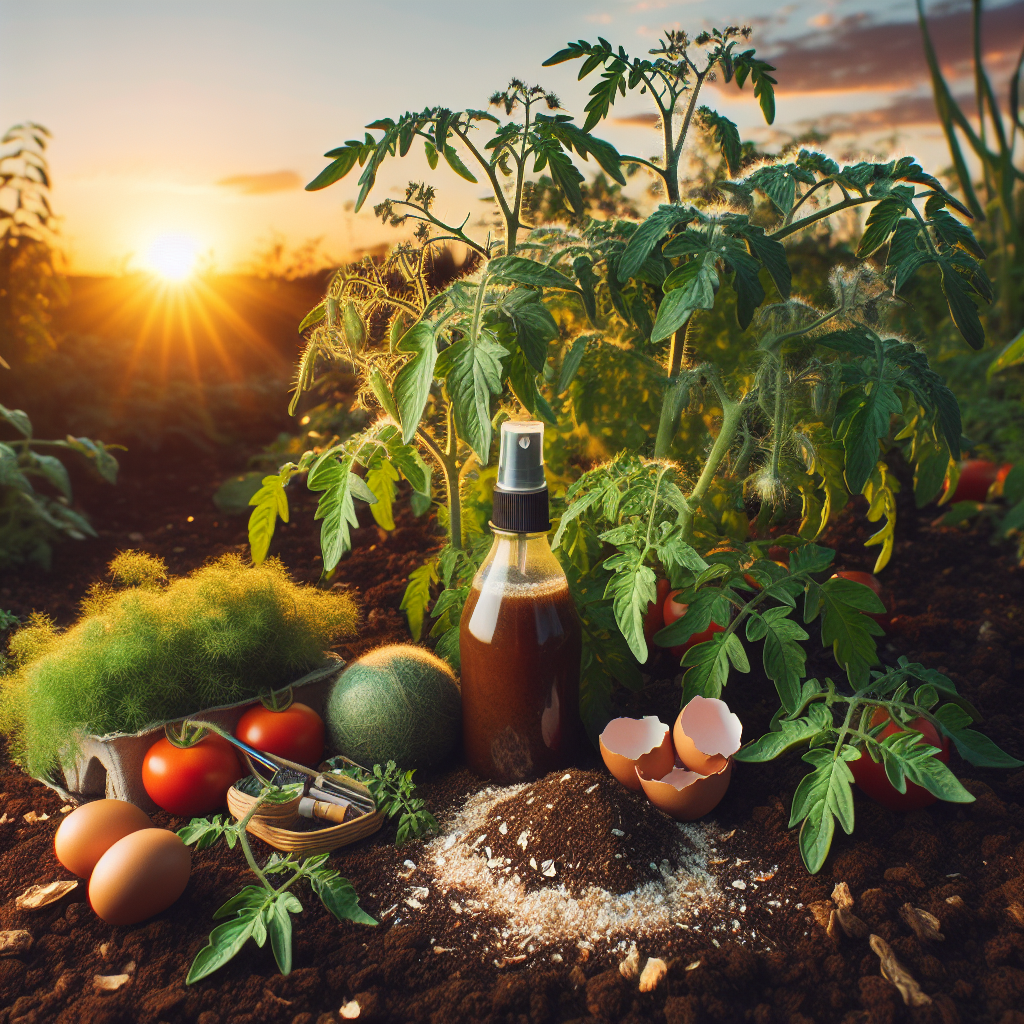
[
  {"x": 629, "y": 745},
  {"x": 654, "y": 970},
  {"x": 109, "y": 982},
  {"x": 706, "y": 735},
  {"x": 15, "y": 942},
  {"x": 37, "y": 896},
  {"x": 32, "y": 817},
  {"x": 350, "y": 1011},
  {"x": 630, "y": 967}
]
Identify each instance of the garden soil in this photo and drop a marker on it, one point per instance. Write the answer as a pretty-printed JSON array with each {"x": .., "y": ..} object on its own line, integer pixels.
[{"x": 525, "y": 906}]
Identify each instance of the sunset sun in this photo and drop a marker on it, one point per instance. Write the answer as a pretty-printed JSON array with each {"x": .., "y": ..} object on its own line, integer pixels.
[{"x": 172, "y": 257}]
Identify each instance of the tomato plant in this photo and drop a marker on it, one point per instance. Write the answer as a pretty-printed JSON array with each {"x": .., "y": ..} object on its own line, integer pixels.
[
  {"x": 193, "y": 779},
  {"x": 870, "y": 775},
  {"x": 294, "y": 731}
]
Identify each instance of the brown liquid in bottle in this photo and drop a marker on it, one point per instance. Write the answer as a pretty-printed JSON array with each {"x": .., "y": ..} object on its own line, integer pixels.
[{"x": 520, "y": 690}]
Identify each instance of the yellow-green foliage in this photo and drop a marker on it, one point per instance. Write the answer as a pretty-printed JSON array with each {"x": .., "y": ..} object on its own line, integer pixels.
[{"x": 153, "y": 651}]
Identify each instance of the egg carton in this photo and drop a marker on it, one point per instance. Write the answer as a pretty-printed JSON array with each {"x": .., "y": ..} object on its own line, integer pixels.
[{"x": 111, "y": 765}]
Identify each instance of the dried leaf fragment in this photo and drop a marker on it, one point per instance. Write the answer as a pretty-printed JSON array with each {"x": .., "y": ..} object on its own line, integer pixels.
[
  {"x": 924, "y": 925},
  {"x": 822, "y": 911},
  {"x": 15, "y": 942},
  {"x": 630, "y": 967},
  {"x": 109, "y": 982},
  {"x": 654, "y": 970},
  {"x": 350, "y": 1010},
  {"x": 37, "y": 896},
  {"x": 895, "y": 972},
  {"x": 832, "y": 928},
  {"x": 842, "y": 897},
  {"x": 851, "y": 924}
]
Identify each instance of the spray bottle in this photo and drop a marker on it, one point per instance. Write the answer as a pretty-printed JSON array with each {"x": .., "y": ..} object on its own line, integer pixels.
[{"x": 519, "y": 637}]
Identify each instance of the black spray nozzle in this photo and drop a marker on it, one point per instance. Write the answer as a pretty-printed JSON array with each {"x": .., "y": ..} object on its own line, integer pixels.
[{"x": 521, "y": 491}]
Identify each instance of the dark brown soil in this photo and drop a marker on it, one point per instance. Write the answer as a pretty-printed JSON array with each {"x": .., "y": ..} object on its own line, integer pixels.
[{"x": 959, "y": 607}]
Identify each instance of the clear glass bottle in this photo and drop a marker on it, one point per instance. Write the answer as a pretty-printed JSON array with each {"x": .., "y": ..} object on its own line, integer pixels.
[{"x": 519, "y": 637}]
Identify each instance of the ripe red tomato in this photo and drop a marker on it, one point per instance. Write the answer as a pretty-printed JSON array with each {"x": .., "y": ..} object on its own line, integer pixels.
[
  {"x": 672, "y": 611},
  {"x": 976, "y": 477},
  {"x": 884, "y": 619},
  {"x": 190, "y": 781},
  {"x": 295, "y": 733},
  {"x": 655, "y": 617},
  {"x": 871, "y": 777}
]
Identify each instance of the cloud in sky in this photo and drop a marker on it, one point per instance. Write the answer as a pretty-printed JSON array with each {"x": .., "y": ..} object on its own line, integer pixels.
[
  {"x": 262, "y": 184},
  {"x": 861, "y": 53}
]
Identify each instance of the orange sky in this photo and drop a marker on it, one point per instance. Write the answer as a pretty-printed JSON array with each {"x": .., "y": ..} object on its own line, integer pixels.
[{"x": 206, "y": 120}]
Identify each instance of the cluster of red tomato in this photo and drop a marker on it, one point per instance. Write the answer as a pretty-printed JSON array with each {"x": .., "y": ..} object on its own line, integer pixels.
[{"x": 193, "y": 781}]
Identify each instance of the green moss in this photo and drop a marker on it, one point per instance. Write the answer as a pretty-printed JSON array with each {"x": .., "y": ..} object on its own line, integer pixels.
[{"x": 163, "y": 649}]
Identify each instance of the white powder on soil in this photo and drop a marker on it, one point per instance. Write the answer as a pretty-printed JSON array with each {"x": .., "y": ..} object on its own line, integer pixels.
[{"x": 682, "y": 896}]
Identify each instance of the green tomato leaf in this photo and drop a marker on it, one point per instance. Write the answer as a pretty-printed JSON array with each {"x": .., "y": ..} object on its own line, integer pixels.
[
  {"x": 271, "y": 502},
  {"x": 820, "y": 798},
  {"x": 881, "y": 223},
  {"x": 784, "y": 658},
  {"x": 473, "y": 374},
  {"x": 225, "y": 942},
  {"x": 708, "y": 667},
  {"x": 791, "y": 733},
  {"x": 381, "y": 480},
  {"x": 572, "y": 362},
  {"x": 642, "y": 242},
  {"x": 530, "y": 272},
  {"x": 851, "y": 633},
  {"x": 977, "y": 749},
  {"x": 692, "y": 287},
  {"x": 632, "y": 587},
  {"x": 412, "y": 383}
]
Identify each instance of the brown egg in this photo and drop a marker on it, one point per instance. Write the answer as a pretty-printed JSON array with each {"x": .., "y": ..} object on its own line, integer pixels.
[
  {"x": 685, "y": 795},
  {"x": 631, "y": 743},
  {"x": 706, "y": 735},
  {"x": 139, "y": 876},
  {"x": 92, "y": 829}
]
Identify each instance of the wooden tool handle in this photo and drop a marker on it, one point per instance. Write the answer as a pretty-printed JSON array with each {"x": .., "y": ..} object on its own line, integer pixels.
[{"x": 322, "y": 809}]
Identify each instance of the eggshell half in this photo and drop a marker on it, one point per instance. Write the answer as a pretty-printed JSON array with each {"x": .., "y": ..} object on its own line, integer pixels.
[
  {"x": 629, "y": 744},
  {"x": 92, "y": 829},
  {"x": 706, "y": 735},
  {"x": 685, "y": 795},
  {"x": 139, "y": 876}
]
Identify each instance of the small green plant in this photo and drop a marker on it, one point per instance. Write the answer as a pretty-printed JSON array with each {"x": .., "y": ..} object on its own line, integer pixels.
[
  {"x": 395, "y": 794},
  {"x": 836, "y": 728},
  {"x": 148, "y": 649},
  {"x": 264, "y": 911},
  {"x": 31, "y": 520}
]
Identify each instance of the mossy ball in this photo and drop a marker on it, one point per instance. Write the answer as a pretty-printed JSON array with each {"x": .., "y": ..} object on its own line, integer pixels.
[{"x": 398, "y": 703}]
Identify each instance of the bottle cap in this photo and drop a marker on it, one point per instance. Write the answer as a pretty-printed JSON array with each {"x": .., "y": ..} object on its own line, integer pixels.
[
  {"x": 521, "y": 456},
  {"x": 521, "y": 491}
]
